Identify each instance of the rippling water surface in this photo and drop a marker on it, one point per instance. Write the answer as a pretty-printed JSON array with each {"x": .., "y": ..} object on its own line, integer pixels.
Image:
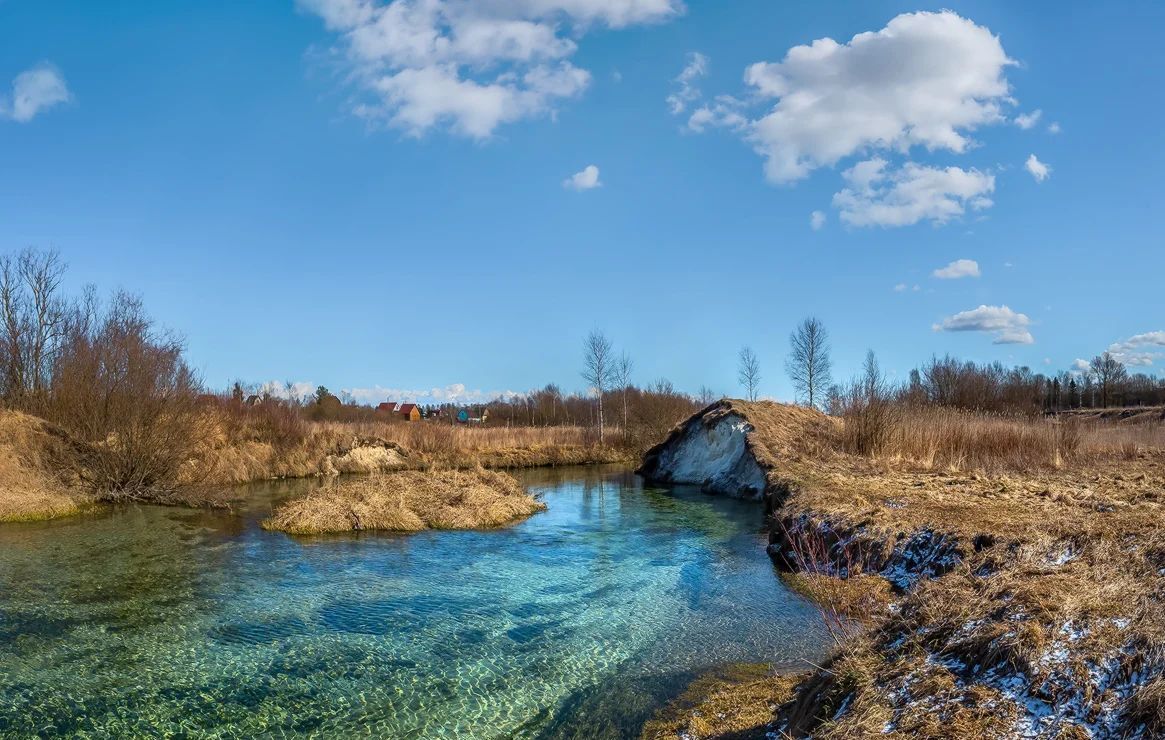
[{"x": 576, "y": 623}]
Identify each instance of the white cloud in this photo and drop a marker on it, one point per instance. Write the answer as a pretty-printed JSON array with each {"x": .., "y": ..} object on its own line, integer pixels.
[
  {"x": 876, "y": 196},
  {"x": 472, "y": 65},
  {"x": 926, "y": 79},
  {"x": 1053, "y": 127},
  {"x": 587, "y": 179},
  {"x": 33, "y": 91},
  {"x": 1039, "y": 170},
  {"x": 817, "y": 220},
  {"x": 1026, "y": 120},
  {"x": 1140, "y": 350},
  {"x": 454, "y": 393},
  {"x": 902, "y": 288},
  {"x": 1008, "y": 326},
  {"x": 687, "y": 91},
  {"x": 278, "y": 389},
  {"x": 958, "y": 269},
  {"x": 723, "y": 112},
  {"x": 1081, "y": 367}
]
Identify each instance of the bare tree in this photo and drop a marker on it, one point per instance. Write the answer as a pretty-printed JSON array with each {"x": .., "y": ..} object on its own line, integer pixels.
[
  {"x": 749, "y": 372},
  {"x": 35, "y": 319},
  {"x": 622, "y": 374},
  {"x": 706, "y": 395},
  {"x": 808, "y": 363},
  {"x": 598, "y": 368},
  {"x": 1109, "y": 373}
]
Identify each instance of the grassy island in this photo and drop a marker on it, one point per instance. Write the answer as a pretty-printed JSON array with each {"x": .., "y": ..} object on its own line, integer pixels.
[{"x": 408, "y": 501}]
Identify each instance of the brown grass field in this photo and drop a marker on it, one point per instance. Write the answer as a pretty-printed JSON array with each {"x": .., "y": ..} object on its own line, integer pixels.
[
  {"x": 241, "y": 454},
  {"x": 1024, "y": 558}
]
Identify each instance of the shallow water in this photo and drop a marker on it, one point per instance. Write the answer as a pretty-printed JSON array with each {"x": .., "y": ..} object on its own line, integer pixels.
[{"x": 578, "y": 622}]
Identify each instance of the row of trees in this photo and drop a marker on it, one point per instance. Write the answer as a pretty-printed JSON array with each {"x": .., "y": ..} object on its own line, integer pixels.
[{"x": 1102, "y": 383}]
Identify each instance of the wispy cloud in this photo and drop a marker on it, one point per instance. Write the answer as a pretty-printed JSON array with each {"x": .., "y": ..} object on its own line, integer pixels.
[
  {"x": 1039, "y": 170},
  {"x": 686, "y": 91},
  {"x": 34, "y": 90},
  {"x": 1027, "y": 120},
  {"x": 1009, "y": 327},
  {"x": 817, "y": 220}
]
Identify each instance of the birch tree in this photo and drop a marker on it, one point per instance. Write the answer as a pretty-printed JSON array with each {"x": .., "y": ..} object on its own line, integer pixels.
[
  {"x": 749, "y": 372},
  {"x": 623, "y": 369},
  {"x": 598, "y": 369},
  {"x": 808, "y": 363}
]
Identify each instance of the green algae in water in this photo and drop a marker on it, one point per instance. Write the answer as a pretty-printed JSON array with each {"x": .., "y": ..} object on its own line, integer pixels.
[{"x": 578, "y": 622}]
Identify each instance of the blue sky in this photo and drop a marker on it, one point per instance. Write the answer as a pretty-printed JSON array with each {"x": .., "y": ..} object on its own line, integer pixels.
[{"x": 376, "y": 195}]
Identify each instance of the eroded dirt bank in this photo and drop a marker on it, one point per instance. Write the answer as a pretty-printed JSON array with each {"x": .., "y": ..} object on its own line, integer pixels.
[{"x": 1024, "y": 605}]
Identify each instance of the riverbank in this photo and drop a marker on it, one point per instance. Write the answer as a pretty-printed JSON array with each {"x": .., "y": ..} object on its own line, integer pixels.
[
  {"x": 36, "y": 478},
  {"x": 43, "y": 470},
  {"x": 1027, "y": 591},
  {"x": 408, "y": 502}
]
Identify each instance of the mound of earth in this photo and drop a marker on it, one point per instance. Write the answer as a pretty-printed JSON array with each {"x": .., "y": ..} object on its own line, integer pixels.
[{"x": 733, "y": 446}]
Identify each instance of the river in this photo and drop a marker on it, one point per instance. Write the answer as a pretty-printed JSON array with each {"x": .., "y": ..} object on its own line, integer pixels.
[{"x": 578, "y": 622}]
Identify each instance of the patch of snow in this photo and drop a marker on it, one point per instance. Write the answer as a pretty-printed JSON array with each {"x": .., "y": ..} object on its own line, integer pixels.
[{"x": 714, "y": 456}]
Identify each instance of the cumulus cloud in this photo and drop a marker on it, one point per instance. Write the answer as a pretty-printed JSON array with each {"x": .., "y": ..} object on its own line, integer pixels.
[
  {"x": 926, "y": 79},
  {"x": 958, "y": 269},
  {"x": 587, "y": 179},
  {"x": 1140, "y": 350},
  {"x": 453, "y": 393},
  {"x": 1008, "y": 326},
  {"x": 1039, "y": 170},
  {"x": 877, "y": 196},
  {"x": 472, "y": 65},
  {"x": 817, "y": 220},
  {"x": 1081, "y": 367},
  {"x": 1027, "y": 120},
  {"x": 686, "y": 90},
  {"x": 1053, "y": 127},
  {"x": 34, "y": 90}
]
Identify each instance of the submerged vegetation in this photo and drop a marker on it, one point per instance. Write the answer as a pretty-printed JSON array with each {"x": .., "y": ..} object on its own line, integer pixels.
[{"x": 408, "y": 502}]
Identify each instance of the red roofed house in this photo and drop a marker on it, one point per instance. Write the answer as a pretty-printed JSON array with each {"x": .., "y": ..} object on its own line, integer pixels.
[{"x": 409, "y": 412}]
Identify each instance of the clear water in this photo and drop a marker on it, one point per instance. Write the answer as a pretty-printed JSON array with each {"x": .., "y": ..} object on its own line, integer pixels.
[{"x": 576, "y": 623}]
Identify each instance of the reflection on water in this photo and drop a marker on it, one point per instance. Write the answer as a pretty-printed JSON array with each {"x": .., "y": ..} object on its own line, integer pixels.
[{"x": 575, "y": 623}]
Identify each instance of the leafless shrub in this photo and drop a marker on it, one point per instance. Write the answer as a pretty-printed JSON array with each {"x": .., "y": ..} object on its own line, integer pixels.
[
  {"x": 122, "y": 385},
  {"x": 868, "y": 410}
]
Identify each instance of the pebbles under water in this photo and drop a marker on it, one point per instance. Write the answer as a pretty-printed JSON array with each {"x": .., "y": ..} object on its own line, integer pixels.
[{"x": 577, "y": 622}]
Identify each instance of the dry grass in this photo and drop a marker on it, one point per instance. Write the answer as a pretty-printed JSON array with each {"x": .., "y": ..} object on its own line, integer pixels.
[
  {"x": 735, "y": 701},
  {"x": 35, "y": 460},
  {"x": 249, "y": 453},
  {"x": 408, "y": 501},
  {"x": 1048, "y": 538}
]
